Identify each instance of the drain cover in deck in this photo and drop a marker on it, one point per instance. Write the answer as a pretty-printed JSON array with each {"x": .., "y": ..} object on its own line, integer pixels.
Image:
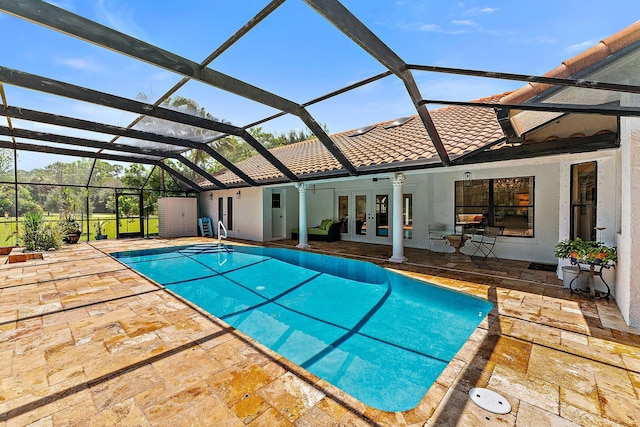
[{"x": 490, "y": 400}]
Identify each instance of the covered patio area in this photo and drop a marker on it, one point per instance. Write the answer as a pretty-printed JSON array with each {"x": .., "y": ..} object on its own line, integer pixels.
[{"x": 87, "y": 341}]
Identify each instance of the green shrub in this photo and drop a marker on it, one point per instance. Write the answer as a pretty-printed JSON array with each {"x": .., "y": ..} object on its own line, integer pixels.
[{"x": 37, "y": 235}]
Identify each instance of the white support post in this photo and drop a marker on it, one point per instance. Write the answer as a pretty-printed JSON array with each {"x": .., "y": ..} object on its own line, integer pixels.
[
  {"x": 302, "y": 220},
  {"x": 396, "y": 220},
  {"x": 627, "y": 287}
]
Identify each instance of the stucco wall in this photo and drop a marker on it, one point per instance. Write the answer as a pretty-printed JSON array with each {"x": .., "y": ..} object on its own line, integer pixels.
[
  {"x": 320, "y": 205},
  {"x": 628, "y": 267},
  {"x": 247, "y": 211},
  {"x": 538, "y": 248},
  {"x": 433, "y": 201}
]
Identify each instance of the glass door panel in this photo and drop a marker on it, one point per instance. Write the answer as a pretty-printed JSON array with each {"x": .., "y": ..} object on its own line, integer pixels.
[
  {"x": 583, "y": 200},
  {"x": 407, "y": 216},
  {"x": 382, "y": 215},
  {"x": 365, "y": 216},
  {"x": 343, "y": 213},
  {"x": 361, "y": 215}
]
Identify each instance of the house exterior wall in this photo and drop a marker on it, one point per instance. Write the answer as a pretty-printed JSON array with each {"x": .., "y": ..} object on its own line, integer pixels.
[
  {"x": 538, "y": 248},
  {"x": 247, "y": 211},
  {"x": 320, "y": 205},
  {"x": 433, "y": 202},
  {"x": 289, "y": 198}
]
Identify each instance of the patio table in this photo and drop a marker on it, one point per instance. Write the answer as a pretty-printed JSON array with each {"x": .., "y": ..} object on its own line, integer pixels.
[{"x": 457, "y": 241}]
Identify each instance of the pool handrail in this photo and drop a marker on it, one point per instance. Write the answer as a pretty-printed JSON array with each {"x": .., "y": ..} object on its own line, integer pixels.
[{"x": 221, "y": 228}]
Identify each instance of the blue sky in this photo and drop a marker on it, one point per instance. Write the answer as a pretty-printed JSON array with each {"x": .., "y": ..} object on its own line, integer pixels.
[{"x": 297, "y": 54}]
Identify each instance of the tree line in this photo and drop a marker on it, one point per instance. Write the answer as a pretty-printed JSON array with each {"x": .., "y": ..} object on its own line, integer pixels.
[{"x": 69, "y": 186}]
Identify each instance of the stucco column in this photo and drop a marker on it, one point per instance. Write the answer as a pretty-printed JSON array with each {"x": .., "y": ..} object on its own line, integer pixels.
[
  {"x": 396, "y": 219},
  {"x": 302, "y": 216},
  {"x": 628, "y": 265}
]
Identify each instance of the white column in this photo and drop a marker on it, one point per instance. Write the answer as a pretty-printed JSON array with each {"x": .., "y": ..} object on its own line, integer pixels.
[
  {"x": 628, "y": 265},
  {"x": 396, "y": 220},
  {"x": 302, "y": 220}
]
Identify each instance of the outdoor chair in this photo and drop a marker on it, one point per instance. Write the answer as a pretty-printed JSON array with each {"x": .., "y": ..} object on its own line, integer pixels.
[
  {"x": 436, "y": 234},
  {"x": 487, "y": 241}
]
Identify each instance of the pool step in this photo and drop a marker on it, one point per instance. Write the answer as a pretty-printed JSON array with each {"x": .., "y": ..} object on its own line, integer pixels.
[{"x": 205, "y": 249}]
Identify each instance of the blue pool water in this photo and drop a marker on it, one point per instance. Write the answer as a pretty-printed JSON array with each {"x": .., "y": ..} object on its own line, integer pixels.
[{"x": 379, "y": 336}]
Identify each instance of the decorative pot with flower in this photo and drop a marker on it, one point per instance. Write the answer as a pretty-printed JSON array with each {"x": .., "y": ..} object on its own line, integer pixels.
[{"x": 586, "y": 252}]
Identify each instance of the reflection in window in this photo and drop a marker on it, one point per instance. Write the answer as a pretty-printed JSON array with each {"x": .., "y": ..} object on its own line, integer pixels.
[
  {"x": 361, "y": 215},
  {"x": 407, "y": 216},
  {"x": 583, "y": 200},
  {"x": 343, "y": 213},
  {"x": 382, "y": 215},
  {"x": 498, "y": 202}
]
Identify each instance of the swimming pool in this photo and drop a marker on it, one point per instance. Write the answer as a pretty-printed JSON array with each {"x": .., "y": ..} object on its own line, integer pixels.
[{"x": 379, "y": 336}]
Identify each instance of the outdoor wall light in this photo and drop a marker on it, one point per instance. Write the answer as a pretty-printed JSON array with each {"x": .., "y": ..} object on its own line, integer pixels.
[
  {"x": 238, "y": 194},
  {"x": 210, "y": 196},
  {"x": 467, "y": 179}
]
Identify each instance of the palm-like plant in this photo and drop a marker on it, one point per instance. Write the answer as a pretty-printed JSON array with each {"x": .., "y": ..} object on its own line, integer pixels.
[{"x": 37, "y": 235}]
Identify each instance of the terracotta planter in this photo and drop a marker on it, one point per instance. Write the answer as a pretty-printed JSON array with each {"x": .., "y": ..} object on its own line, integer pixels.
[{"x": 6, "y": 250}]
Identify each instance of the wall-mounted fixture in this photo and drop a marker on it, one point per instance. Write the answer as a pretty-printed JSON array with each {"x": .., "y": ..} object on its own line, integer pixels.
[
  {"x": 238, "y": 194},
  {"x": 467, "y": 179},
  {"x": 210, "y": 196}
]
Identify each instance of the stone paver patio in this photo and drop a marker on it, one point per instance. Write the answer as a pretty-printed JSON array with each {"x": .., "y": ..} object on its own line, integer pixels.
[{"x": 87, "y": 341}]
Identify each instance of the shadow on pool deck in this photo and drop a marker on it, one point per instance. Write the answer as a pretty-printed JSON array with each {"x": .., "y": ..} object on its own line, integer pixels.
[{"x": 98, "y": 344}]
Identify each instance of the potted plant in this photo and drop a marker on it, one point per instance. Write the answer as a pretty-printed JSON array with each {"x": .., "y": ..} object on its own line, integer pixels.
[
  {"x": 586, "y": 252},
  {"x": 70, "y": 228},
  {"x": 100, "y": 225}
]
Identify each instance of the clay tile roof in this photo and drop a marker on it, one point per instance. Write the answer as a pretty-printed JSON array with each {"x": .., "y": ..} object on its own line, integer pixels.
[
  {"x": 462, "y": 129},
  {"x": 570, "y": 67}
]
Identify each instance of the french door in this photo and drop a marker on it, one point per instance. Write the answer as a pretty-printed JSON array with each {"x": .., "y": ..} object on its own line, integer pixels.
[{"x": 365, "y": 215}]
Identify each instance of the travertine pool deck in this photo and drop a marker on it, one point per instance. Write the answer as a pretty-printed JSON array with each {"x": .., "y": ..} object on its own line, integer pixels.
[{"x": 86, "y": 341}]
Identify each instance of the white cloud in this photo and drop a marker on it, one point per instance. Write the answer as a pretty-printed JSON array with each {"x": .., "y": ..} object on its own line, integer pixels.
[
  {"x": 119, "y": 18},
  {"x": 579, "y": 47},
  {"x": 466, "y": 23},
  {"x": 429, "y": 27},
  {"x": 82, "y": 64},
  {"x": 476, "y": 11}
]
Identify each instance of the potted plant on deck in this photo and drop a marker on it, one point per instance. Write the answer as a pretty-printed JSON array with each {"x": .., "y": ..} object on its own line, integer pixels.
[
  {"x": 100, "y": 226},
  {"x": 70, "y": 229},
  {"x": 596, "y": 255},
  {"x": 580, "y": 251}
]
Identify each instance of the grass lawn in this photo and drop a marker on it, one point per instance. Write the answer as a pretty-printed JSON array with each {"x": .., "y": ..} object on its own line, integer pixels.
[{"x": 131, "y": 225}]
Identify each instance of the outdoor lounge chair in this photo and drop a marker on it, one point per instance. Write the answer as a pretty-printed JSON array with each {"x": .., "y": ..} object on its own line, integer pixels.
[{"x": 328, "y": 231}]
